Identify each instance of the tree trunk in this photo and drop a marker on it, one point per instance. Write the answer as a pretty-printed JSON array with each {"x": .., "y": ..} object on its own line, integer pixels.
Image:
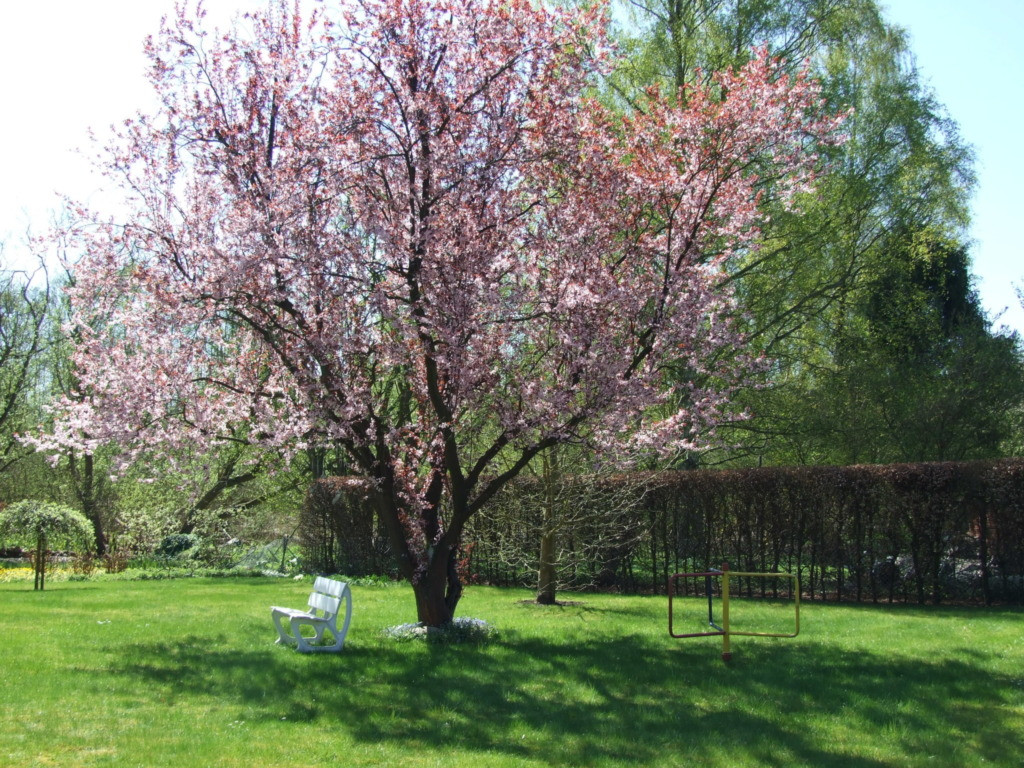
[
  {"x": 438, "y": 589},
  {"x": 546, "y": 571},
  {"x": 86, "y": 486},
  {"x": 550, "y": 477},
  {"x": 40, "y": 564},
  {"x": 435, "y": 582}
]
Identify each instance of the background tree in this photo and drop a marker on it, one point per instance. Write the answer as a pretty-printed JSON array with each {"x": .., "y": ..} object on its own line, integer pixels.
[
  {"x": 43, "y": 523},
  {"x": 919, "y": 377},
  {"x": 24, "y": 315},
  {"x": 79, "y": 478},
  {"x": 903, "y": 175},
  {"x": 567, "y": 520},
  {"x": 406, "y": 232},
  {"x": 219, "y": 493}
]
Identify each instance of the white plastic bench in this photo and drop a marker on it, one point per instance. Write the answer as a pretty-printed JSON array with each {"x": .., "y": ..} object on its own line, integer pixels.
[{"x": 324, "y": 606}]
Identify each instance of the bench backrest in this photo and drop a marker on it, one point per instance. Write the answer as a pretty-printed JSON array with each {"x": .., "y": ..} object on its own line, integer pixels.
[{"x": 326, "y": 595}]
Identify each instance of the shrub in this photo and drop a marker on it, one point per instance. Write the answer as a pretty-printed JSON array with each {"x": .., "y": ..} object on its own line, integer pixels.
[
  {"x": 115, "y": 560},
  {"x": 178, "y": 545},
  {"x": 84, "y": 564}
]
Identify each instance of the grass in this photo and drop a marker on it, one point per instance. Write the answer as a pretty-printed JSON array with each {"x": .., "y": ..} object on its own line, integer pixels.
[{"x": 185, "y": 673}]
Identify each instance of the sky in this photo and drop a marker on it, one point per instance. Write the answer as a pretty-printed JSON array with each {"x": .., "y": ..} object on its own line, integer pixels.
[
  {"x": 969, "y": 54},
  {"x": 68, "y": 66}
]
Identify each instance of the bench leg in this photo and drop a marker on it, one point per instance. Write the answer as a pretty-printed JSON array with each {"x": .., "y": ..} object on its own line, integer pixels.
[
  {"x": 283, "y": 637},
  {"x": 303, "y": 644}
]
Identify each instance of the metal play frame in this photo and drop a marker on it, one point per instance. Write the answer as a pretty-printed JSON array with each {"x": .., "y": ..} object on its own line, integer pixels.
[{"x": 724, "y": 631}]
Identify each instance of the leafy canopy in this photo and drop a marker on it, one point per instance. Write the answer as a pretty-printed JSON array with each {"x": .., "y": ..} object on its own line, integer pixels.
[{"x": 34, "y": 521}]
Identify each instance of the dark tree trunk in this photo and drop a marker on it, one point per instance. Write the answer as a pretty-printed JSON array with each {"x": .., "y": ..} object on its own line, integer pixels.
[
  {"x": 87, "y": 488},
  {"x": 433, "y": 574},
  {"x": 546, "y": 578},
  {"x": 546, "y": 585},
  {"x": 40, "y": 564},
  {"x": 438, "y": 588}
]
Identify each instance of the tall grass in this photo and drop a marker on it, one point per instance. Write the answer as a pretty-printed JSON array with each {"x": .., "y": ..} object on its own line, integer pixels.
[{"x": 186, "y": 673}]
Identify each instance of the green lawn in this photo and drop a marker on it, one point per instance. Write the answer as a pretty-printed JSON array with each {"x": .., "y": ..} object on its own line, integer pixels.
[{"x": 186, "y": 673}]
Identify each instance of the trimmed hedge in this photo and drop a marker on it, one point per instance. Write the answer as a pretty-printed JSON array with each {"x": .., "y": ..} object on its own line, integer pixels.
[
  {"x": 924, "y": 532},
  {"x": 928, "y": 532}
]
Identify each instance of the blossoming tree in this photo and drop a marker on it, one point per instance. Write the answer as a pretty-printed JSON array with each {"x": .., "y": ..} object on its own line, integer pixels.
[{"x": 403, "y": 228}]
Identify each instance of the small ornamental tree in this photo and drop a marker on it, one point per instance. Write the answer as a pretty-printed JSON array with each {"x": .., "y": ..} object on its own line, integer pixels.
[
  {"x": 42, "y": 523},
  {"x": 403, "y": 228}
]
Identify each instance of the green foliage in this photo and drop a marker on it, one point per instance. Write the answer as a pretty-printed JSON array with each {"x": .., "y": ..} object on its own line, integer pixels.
[
  {"x": 165, "y": 571},
  {"x": 862, "y": 297},
  {"x": 186, "y": 673},
  {"x": 920, "y": 377},
  {"x": 43, "y": 524},
  {"x": 140, "y": 571},
  {"x": 31, "y": 521},
  {"x": 679, "y": 42},
  {"x": 902, "y": 178},
  {"x": 180, "y": 545}
]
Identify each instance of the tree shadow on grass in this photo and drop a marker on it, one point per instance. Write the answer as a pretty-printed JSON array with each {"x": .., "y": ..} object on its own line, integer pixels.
[{"x": 629, "y": 700}]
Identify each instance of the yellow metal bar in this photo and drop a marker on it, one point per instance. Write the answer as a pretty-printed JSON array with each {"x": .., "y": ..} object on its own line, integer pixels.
[
  {"x": 727, "y": 632},
  {"x": 796, "y": 603}
]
